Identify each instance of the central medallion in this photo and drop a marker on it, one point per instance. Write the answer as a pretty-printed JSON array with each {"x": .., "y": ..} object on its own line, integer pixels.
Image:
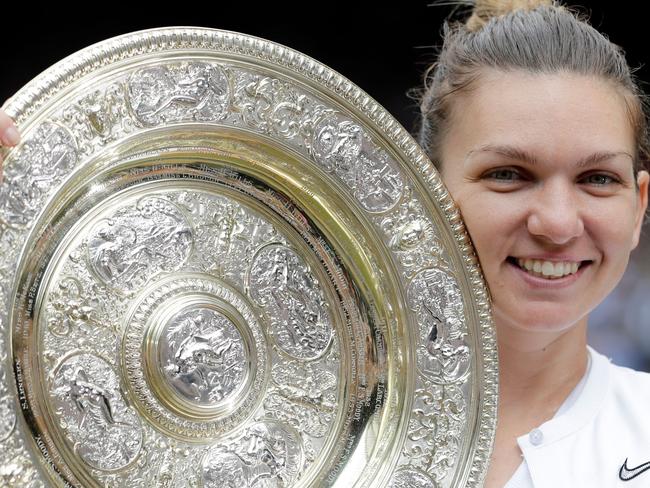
[
  {"x": 195, "y": 356},
  {"x": 202, "y": 356}
]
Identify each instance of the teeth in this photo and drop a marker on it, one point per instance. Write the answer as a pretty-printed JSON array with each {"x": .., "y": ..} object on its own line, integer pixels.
[{"x": 548, "y": 269}]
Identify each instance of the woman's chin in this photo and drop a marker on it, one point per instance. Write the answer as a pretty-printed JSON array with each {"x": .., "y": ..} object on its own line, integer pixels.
[{"x": 537, "y": 322}]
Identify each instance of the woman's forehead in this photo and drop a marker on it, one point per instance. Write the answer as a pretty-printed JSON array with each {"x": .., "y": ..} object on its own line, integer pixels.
[{"x": 518, "y": 108}]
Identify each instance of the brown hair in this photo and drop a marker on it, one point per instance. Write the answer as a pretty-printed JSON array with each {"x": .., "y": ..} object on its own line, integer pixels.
[{"x": 537, "y": 36}]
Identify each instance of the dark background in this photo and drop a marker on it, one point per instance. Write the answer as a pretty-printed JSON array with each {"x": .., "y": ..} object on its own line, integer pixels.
[{"x": 383, "y": 49}]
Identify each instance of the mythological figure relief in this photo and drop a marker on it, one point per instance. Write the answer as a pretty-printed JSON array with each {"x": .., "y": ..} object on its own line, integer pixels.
[
  {"x": 226, "y": 234},
  {"x": 305, "y": 397},
  {"x": 138, "y": 241},
  {"x": 411, "y": 478},
  {"x": 337, "y": 144},
  {"x": 284, "y": 286},
  {"x": 443, "y": 355},
  {"x": 341, "y": 146},
  {"x": 104, "y": 431},
  {"x": 100, "y": 116},
  {"x": 203, "y": 355},
  {"x": 266, "y": 455},
  {"x": 182, "y": 92},
  {"x": 271, "y": 106},
  {"x": 411, "y": 236},
  {"x": 42, "y": 161}
]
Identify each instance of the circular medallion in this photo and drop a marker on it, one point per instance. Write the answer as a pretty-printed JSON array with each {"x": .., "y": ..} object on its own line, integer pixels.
[
  {"x": 223, "y": 264},
  {"x": 201, "y": 354}
]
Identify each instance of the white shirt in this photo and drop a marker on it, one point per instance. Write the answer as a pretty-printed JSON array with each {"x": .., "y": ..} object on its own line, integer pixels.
[{"x": 603, "y": 422}]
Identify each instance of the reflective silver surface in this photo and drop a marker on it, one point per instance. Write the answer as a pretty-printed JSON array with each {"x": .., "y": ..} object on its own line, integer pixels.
[{"x": 225, "y": 265}]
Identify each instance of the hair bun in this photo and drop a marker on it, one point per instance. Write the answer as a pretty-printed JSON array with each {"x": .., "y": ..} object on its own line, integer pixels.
[{"x": 484, "y": 10}]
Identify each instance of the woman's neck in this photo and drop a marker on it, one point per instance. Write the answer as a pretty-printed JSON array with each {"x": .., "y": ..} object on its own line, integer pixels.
[{"x": 541, "y": 368}]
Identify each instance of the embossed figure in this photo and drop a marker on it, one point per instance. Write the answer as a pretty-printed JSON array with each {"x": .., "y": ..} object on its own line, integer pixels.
[
  {"x": 284, "y": 285},
  {"x": 338, "y": 143},
  {"x": 193, "y": 91},
  {"x": 104, "y": 431},
  {"x": 267, "y": 455},
  {"x": 205, "y": 355},
  {"x": 92, "y": 401},
  {"x": 442, "y": 353},
  {"x": 138, "y": 241},
  {"x": 225, "y": 469},
  {"x": 42, "y": 161}
]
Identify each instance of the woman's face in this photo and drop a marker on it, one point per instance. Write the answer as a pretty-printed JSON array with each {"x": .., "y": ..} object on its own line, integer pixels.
[{"x": 541, "y": 167}]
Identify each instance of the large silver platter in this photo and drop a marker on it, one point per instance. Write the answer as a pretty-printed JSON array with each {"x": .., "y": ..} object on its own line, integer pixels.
[{"x": 223, "y": 264}]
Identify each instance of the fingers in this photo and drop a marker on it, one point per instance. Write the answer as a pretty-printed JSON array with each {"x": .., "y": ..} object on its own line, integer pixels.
[{"x": 9, "y": 135}]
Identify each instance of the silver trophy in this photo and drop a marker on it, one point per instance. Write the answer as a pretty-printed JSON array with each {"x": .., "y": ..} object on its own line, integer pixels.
[{"x": 224, "y": 265}]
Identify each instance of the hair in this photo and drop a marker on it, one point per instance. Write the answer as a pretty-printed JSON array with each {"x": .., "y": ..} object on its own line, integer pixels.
[{"x": 535, "y": 36}]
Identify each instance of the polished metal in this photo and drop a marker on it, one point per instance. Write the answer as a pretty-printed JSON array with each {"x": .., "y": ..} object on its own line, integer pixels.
[{"x": 223, "y": 264}]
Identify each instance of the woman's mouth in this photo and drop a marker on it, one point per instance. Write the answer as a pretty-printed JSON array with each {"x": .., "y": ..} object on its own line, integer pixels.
[{"x": 550, "y": 270}]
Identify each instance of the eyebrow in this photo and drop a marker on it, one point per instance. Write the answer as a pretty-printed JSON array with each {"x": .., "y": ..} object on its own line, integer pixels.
[{"x": 513, "y": 152}]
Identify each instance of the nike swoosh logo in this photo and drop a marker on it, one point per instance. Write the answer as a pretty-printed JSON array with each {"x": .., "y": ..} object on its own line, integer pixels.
[{"x": 626, "y": 474}]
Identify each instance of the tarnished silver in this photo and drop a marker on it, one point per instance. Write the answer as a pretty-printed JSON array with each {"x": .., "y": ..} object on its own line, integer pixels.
[{"x": 223, "y": 264}]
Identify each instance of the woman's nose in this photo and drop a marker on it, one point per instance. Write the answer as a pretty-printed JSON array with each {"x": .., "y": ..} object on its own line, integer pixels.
[{"x": 555, "y": 213}]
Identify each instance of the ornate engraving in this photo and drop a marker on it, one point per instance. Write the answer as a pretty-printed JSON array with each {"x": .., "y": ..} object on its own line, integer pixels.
[
  {"x": 68, "y": 308},
  {"x": 267, "y": 455},
  {"x": 226, "y": 234},
  {"x": 442, "y": 352},
  {"x": 19, "y": 471},
  {"x": 184, "y": 92},
  {"x": 203, "y": 355},
  {"x": 43, "y": 160},
  {"x": 284, "y": 286},
  {"x": 337, "y": 144},
  {"x": 7, "y": 417},
  {"x": 435, "y": 429},
  {"x": 411, "y": 478},
  {"x": 272, "y": 106},
  {"x": 342, "y": 146},
  {"x": 411, "y": 236},
  {"x": 306, "y": 383},
  {"x": 306, "y": 397},
  {"x": 100, "y": 116},
  {"x": 138, "y": 241},
  {"x": 104, "y": 431},
  {"x": 242, "y": 393}
]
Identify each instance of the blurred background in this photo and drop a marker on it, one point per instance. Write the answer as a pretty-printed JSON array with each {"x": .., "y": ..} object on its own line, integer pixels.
[{"x": 383, "y": 49}]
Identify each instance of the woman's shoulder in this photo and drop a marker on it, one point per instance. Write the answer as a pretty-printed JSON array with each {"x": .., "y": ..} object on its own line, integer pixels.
[
  {"x": 621, "y": 375},
  {"x": 626, "y": 376},
  {"x": 627, "y": 388}
]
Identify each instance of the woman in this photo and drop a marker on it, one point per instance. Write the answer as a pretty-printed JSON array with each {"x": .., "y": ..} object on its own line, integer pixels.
[{"x": 539, "y": 133}]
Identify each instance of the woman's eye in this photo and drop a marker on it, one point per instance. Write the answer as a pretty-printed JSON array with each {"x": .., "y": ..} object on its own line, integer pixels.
[
  {"x": 600, "y": 179},
  {"x": 503, "y": 174}
]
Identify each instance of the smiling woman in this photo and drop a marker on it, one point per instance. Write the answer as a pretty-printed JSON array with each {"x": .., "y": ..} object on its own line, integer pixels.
[{"x": 537, "y": 127}]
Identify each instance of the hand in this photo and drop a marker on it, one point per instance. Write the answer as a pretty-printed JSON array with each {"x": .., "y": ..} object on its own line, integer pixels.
[{"x": 9, "y": 135}]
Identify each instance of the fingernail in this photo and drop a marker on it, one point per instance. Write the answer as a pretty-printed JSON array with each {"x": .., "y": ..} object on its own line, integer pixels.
[{"x": 11, "y": 137}]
